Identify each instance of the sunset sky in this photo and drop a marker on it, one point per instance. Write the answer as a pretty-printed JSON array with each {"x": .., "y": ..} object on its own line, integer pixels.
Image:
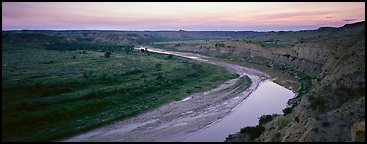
[{"x": 236, "y": 16}]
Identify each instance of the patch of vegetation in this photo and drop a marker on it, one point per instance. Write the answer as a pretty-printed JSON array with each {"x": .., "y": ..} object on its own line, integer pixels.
[
  {"x": 306, "y": 84},
  {"x": 345, "y": 94},
  {"x": 253, "y": 131},
  {"x": 220, "y": 45},
  {"x": 283, "y": 122},
  {"x": 277, "y": 136},
  {"x": 266, "y": 118},
  {"x": 270, "y": 44},
  {"x": 81, "y": 45},
  {"x": 296, "y": 119},
  {"x": 317, "y": 103},
  {"x": 287, "y": 110},
  {"x": 107, "y": 54},
  {"x": 325, "y": 124}
]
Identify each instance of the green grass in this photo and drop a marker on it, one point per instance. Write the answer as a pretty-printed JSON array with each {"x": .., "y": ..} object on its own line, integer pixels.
[{"x": 45, "y": 101}]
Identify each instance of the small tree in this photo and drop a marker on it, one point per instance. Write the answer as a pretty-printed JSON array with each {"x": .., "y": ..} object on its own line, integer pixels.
[
  {"x": 107, "y": 54},
  {"x": 287, "y": 110}
]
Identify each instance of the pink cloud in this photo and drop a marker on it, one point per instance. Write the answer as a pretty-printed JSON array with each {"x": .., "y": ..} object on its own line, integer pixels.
[{"x": 162, "y": 16}]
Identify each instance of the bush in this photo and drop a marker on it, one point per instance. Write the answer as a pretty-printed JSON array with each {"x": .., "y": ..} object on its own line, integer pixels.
[
  {"x": 189, "y": 91},
  {"x": 219, "y": 45},
  {"x": 266, "y": 118},
  {"x": 317, "y": 103},
  {"x": 128, "y": 48},
  {"x": 296, "y": 119},
  {"x": 107, "y": 54},
  {"x": 287, "y": 110},
  {"x": 253, "y": 132},
  {"x": 325, "y": 124},
  {"x": 277, "y": 135}
]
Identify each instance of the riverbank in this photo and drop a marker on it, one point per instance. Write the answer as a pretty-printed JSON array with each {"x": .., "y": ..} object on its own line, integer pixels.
[
  {"x": 49, "y": 94},
  {"x": 190, "y": 114},
  {"x": 268, "y": 98}
]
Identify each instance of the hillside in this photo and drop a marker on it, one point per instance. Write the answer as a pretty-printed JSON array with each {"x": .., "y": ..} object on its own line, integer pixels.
[
  {"x": 328, "y": 62},
  {"x": 125, "y": 37}
]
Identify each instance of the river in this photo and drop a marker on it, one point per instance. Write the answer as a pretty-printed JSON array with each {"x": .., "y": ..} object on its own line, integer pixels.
[
  {"x": 268, "y": 98},
  {"x": 203, "y": 116}
]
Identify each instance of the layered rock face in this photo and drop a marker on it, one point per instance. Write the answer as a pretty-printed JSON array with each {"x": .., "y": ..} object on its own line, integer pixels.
[
  {"x": 335, "y": 102},
  {"x": 336, "y": 99}
]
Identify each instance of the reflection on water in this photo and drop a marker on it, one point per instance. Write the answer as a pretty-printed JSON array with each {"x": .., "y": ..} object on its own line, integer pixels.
[{"x": 268, "y": 98}]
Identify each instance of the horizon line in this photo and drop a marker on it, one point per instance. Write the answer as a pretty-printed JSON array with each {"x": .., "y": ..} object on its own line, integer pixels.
[{"x": 163, "y": 30}]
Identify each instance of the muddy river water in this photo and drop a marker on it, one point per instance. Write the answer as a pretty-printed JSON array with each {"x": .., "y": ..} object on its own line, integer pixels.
[
  {"x": 268, "y": 98},
  {"x": 204, "y": 116}
]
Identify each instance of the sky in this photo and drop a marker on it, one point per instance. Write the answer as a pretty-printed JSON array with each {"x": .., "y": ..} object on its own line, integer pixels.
[{"x": 194, "y": 16}]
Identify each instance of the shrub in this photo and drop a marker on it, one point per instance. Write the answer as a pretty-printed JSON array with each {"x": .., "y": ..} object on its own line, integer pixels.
[
  {"x": 266, "y": 118},
  {"x": 296, "y": 119},
  {"x": 287, "y": 110},
  {"x": 188, "y": 91},
  {"x": 253, "y": 132},
  {"x": 277, "y": 135},
  {"x": 128, "y": 48},
  {"x": 107, "y": 54},
  {"x": 317, "y": 103},
  {"x": 325, "y": 124},
  {"x": 219, "y": 45}
]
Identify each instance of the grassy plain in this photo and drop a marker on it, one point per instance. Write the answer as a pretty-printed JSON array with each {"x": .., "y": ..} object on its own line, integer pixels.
[{"x": 49, "y": 94}]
